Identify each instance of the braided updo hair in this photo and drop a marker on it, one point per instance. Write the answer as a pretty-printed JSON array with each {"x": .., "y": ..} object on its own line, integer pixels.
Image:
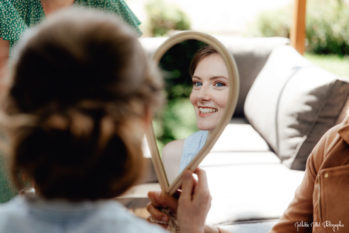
[{"x": 81, "y": 87}]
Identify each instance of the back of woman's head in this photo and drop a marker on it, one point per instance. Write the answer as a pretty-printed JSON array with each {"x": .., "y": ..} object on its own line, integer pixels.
[{"x": 81, "y": 89}]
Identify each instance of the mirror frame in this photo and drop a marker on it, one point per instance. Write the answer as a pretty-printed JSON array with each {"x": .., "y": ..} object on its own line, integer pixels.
[{"x": 232, "y": 100}]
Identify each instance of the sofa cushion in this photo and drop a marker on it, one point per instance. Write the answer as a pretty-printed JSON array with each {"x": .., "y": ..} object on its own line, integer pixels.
[
  {"x": 248, "y": 186},
  {"x": 292, "y": 103},
  {"x": 240, "y": 136}
]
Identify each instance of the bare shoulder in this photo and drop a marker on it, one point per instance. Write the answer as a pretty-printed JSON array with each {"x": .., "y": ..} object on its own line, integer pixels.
[
  {"x": 171, "y": 157},
  {"x": 172, "y": 149},
  {"x": 4, "y": 44},
  {"x": 4, "y": 54}
]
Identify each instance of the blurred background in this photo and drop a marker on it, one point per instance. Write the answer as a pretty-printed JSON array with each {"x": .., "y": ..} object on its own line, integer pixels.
[
  {"x": 219, "y": 16},
  {"x": 327, "y": 27}
]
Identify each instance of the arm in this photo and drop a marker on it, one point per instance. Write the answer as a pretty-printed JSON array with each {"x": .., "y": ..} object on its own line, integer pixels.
[
  {"x": 171, "y": 158},
  {"x": 4, "y": 55},
  {"x": 213, "y": 229}
]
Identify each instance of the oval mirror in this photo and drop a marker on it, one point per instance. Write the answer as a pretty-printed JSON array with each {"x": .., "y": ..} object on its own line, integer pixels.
[{"x": 202, "y": 86}]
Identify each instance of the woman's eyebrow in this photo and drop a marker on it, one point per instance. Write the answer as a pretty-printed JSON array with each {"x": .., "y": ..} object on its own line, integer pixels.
[
  {"x": 218, "y": 77},
  {"x": 211, "y": 78}
]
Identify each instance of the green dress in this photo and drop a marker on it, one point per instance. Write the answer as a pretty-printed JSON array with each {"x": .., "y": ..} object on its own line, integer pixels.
[{"x": 18, "y": 15}]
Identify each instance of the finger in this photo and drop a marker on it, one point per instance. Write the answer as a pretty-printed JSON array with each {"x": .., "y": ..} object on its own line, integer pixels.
[
  {"x": 202, "y": 179},
  {"x": 163, "y": 200},
  {"x": 201, "y": 190},
  {"x": 187, "y": 186},
  {"x": 154, "y": 198},
  {"x": 156, "y": 214},
  {"x": 169, "y": 202}
]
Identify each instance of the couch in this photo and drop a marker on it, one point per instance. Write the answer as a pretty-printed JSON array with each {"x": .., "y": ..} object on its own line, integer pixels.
[{"x": 285, "y": 105}]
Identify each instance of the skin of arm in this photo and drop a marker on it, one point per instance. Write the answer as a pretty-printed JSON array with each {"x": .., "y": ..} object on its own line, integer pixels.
[
  {"x": 171, "y": 157},
  {"x": 4, "y": 55}
]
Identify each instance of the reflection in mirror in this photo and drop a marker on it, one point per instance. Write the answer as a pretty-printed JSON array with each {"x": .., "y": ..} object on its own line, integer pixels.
[{"x": 197, "y": 86}]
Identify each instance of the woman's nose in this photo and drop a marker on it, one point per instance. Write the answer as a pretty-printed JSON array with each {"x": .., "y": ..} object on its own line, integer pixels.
[{"x": 204, "y": 93}]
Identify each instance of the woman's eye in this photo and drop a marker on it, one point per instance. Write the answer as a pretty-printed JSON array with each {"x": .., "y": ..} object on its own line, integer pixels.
[
  {"x": 219, "y": 84},
  {"x": 197, "y": 84}
]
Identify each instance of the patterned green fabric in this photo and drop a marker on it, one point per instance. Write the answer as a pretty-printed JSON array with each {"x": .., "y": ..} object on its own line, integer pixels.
[
  {"x": 5, "y": 190},
  {"x": 18, "y": 15}
]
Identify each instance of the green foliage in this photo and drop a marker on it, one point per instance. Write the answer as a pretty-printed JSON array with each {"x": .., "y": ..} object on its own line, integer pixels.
[
  {"x": 178, "y": 121},
  {"x": 327, "y": 28},
  {"x": 163, "y": 18},
  {"x": 272, "y": 23},
  {"x": 175, "y": 65},
  {"x": 336, "y": 64}
]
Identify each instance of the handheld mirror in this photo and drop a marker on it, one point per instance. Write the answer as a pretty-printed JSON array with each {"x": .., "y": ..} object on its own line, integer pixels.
[{"x": 202, "y": 86}]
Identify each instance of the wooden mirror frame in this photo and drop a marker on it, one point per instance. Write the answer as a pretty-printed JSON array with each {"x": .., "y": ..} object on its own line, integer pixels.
[{"x": 232, "y": 100}]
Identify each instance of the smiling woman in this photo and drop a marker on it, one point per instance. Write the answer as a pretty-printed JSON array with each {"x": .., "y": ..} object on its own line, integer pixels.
[{"x": 208, "y": 96}]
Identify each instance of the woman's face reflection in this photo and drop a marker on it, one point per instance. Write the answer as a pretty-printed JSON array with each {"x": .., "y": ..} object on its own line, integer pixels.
[{"x": 210, "y": 91}]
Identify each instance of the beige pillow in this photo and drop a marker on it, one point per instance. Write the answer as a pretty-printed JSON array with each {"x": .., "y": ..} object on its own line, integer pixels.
[{"x": 292, "y": 103}]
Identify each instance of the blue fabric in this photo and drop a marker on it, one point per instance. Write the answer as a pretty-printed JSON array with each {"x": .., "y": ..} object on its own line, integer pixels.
[
  {"x": 191, "y": 147},
  {"x": 36, "y": 216}
]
